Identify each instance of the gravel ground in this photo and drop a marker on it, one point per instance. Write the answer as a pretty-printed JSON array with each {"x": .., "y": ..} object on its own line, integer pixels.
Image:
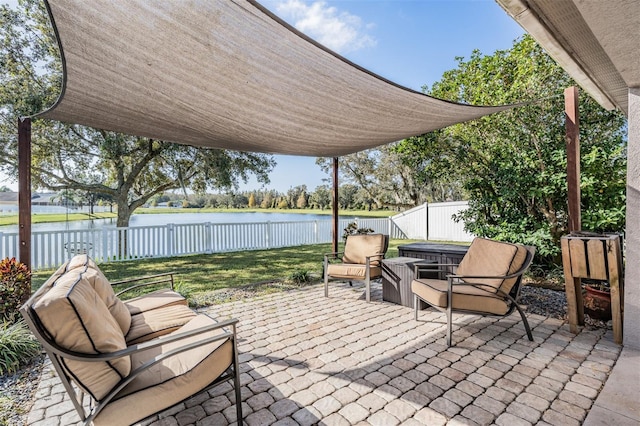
[{"x": 17, "y": 390}]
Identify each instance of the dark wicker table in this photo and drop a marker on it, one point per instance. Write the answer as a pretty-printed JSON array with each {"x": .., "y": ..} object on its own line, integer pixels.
[
  {"x": 441, "y": 253},
  {"x": 397, "y": 274}
]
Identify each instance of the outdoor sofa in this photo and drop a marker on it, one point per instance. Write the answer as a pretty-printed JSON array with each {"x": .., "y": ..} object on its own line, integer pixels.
[{"x": 130, "y": 358}]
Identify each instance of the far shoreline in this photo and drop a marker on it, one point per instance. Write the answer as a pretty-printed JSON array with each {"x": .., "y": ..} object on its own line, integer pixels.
[{"x": 63, "y": 217}]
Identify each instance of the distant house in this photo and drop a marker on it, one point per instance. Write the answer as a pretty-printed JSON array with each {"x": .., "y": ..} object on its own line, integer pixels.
[
  {"x": 37, "y": 199},
  {"x": 8, "y": 197}
]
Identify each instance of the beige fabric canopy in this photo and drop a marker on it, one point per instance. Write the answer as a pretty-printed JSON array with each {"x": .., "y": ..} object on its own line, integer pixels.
[{"x": 228, "y": 74}]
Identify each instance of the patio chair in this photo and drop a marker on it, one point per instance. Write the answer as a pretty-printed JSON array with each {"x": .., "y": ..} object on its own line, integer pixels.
[
  {"x": 121, "y": 362},
  {"x": 361, "y": 261},
  {"x": 487, "y": 282}
]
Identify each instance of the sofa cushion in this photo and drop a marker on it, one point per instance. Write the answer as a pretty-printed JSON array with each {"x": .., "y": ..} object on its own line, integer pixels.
[
  {"x": 77, "y": 319},
  {"x": 172, "y": 380},
  {"x": 154, "y": 300},
  {"x": 157, "y": 322},
  {"x": 103, "y": 287},
  {"x": 359, "y": 247},
  {"x": 492, "y": 258}
]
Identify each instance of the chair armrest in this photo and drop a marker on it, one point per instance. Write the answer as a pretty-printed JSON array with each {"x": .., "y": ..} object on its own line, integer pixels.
[
  {"x": 159, "y": 341},
  {"x": 143, "y": 281},
  {"x": 431, "y": 267}
]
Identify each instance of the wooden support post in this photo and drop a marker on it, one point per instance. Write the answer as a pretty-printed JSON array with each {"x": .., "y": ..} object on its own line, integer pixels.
[
  {"x": 573, "y": 285},
  {"x": 335, "y": 204},
  {"x": 24, "y": 190},
  {"x": 616, "y": 287},
  {"x": 572, "y": 138}
]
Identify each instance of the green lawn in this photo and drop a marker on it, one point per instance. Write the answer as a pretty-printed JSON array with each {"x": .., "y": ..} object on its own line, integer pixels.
[{"x": 204, "y": 273}]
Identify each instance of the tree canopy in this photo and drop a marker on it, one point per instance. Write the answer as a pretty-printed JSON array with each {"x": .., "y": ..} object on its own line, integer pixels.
[{"x": 512, "y": 165}]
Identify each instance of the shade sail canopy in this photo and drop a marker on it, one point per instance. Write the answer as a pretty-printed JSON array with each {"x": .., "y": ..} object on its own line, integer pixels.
[
  {"x": 228, "y": 74},
  {"x": 596, "y": 42}
]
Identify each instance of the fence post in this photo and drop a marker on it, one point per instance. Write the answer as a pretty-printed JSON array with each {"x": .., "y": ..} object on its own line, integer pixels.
[
  {"x": 268, "y": 236},
  {"x": 105, "y": 246},
  {"x": 207, "y": 239},
  {"x": 170, "y": 239},
  {"x": 426, "y": 221}
]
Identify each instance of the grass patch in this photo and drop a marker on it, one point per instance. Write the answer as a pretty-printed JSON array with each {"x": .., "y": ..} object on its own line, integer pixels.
[
  {"x": 198, "y": 275},
  {"x": 17, "y": 345}
]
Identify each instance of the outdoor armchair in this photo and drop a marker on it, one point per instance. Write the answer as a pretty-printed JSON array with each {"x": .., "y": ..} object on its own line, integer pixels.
[
  {"x": 123, "y": 361},
  {"x": 486, "y": 282},
  {"x": 361, "y": 260}
]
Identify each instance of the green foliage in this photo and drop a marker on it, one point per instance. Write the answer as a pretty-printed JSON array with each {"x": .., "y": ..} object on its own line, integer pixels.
[
  {"x": 512, "y": 165},
  {"x": 15, "y": 286},
  {"x": 17, "y": 345},
  {"x": 353, "y": 229},
  {"x": 299, "y": 276}
]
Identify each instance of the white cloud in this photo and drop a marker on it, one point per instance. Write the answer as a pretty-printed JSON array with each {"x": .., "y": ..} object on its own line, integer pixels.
[{"x": 339, "y": 31}]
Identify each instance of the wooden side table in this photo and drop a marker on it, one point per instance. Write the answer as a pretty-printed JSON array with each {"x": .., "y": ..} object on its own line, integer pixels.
[
  {"x": 397, "y": 274},
  {"x": 597, "y": 257}
]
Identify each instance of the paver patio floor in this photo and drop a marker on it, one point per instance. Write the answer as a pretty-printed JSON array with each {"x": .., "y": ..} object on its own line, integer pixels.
[{"x": 307, "y": 360}]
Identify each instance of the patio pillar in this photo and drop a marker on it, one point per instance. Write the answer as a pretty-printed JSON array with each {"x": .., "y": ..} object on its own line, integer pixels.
[
  {"x": 572, "y": 137},
  {"x": 24, "y": 190},
  {"x": 335, "y": 205},
  {"x": 573, "y": 285},
  {"x": 631, "y": 318}
]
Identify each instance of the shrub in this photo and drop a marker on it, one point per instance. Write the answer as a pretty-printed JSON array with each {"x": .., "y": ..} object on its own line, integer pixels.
[
  {"x": 352, "y": 229},
  {"x": 17, "y": 345},
  {"x": 299, "y": 277},
  {"x": 15, "y": 286}
]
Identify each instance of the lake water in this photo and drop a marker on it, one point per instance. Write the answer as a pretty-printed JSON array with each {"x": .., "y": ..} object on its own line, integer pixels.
[{"x": 175, "y": 218}]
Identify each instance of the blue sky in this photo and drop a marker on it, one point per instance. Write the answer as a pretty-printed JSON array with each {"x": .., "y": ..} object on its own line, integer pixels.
[{"x": 410, "y": 42}]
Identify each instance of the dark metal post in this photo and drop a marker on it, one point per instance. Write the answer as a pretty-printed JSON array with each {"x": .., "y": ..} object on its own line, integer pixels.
[
  {"x": 24, "y": 189},
  {"x": 335, "y": 204}
]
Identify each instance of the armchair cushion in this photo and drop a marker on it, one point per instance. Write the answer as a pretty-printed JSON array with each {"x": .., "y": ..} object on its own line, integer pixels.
[
  {"x": 173, "y": 379},
  {"x": 464, "y": 297},
  {"x": 87, "y": 266},
  {"x": 154, "y": 300},
  {"x": 492, "y": 258},
  {"x": 352, "y": 271},
  {"x": 77, "y": 319},
  {"x": 358, "y": 247},
  {"x": 157, "y": 322}
]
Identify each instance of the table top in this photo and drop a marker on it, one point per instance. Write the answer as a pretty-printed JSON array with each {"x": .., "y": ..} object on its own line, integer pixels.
[
  {"x": 435, "y": 248},
  {"x": 402, "y": 259}
]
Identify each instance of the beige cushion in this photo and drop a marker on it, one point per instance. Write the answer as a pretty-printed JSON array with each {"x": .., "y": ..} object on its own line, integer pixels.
[
  {"x": 158, "y": 322},
  {"x": 77, "y": 319},
  {"x": 170, "y": 381},
  {"x": 358, "y": 247},
  {"x": 464, "y": 297},
  {"x": 103, "y": 287},
  {"x": 492, "y": 258},
  {"x": 352, "y": 271},
  {"x": 154, "y": 300},
  {"x": 81, "y": 260}
]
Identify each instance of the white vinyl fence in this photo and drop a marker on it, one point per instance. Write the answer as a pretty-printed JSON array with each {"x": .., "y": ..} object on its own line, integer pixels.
[{"x": 52, "y": 248}]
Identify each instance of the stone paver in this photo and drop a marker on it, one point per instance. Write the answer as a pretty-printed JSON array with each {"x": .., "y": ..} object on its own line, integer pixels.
[{"x": 309, "y": 360}]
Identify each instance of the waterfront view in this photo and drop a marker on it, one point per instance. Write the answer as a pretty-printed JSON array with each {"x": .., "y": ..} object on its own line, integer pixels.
[{"x": 176, "y": 218}]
